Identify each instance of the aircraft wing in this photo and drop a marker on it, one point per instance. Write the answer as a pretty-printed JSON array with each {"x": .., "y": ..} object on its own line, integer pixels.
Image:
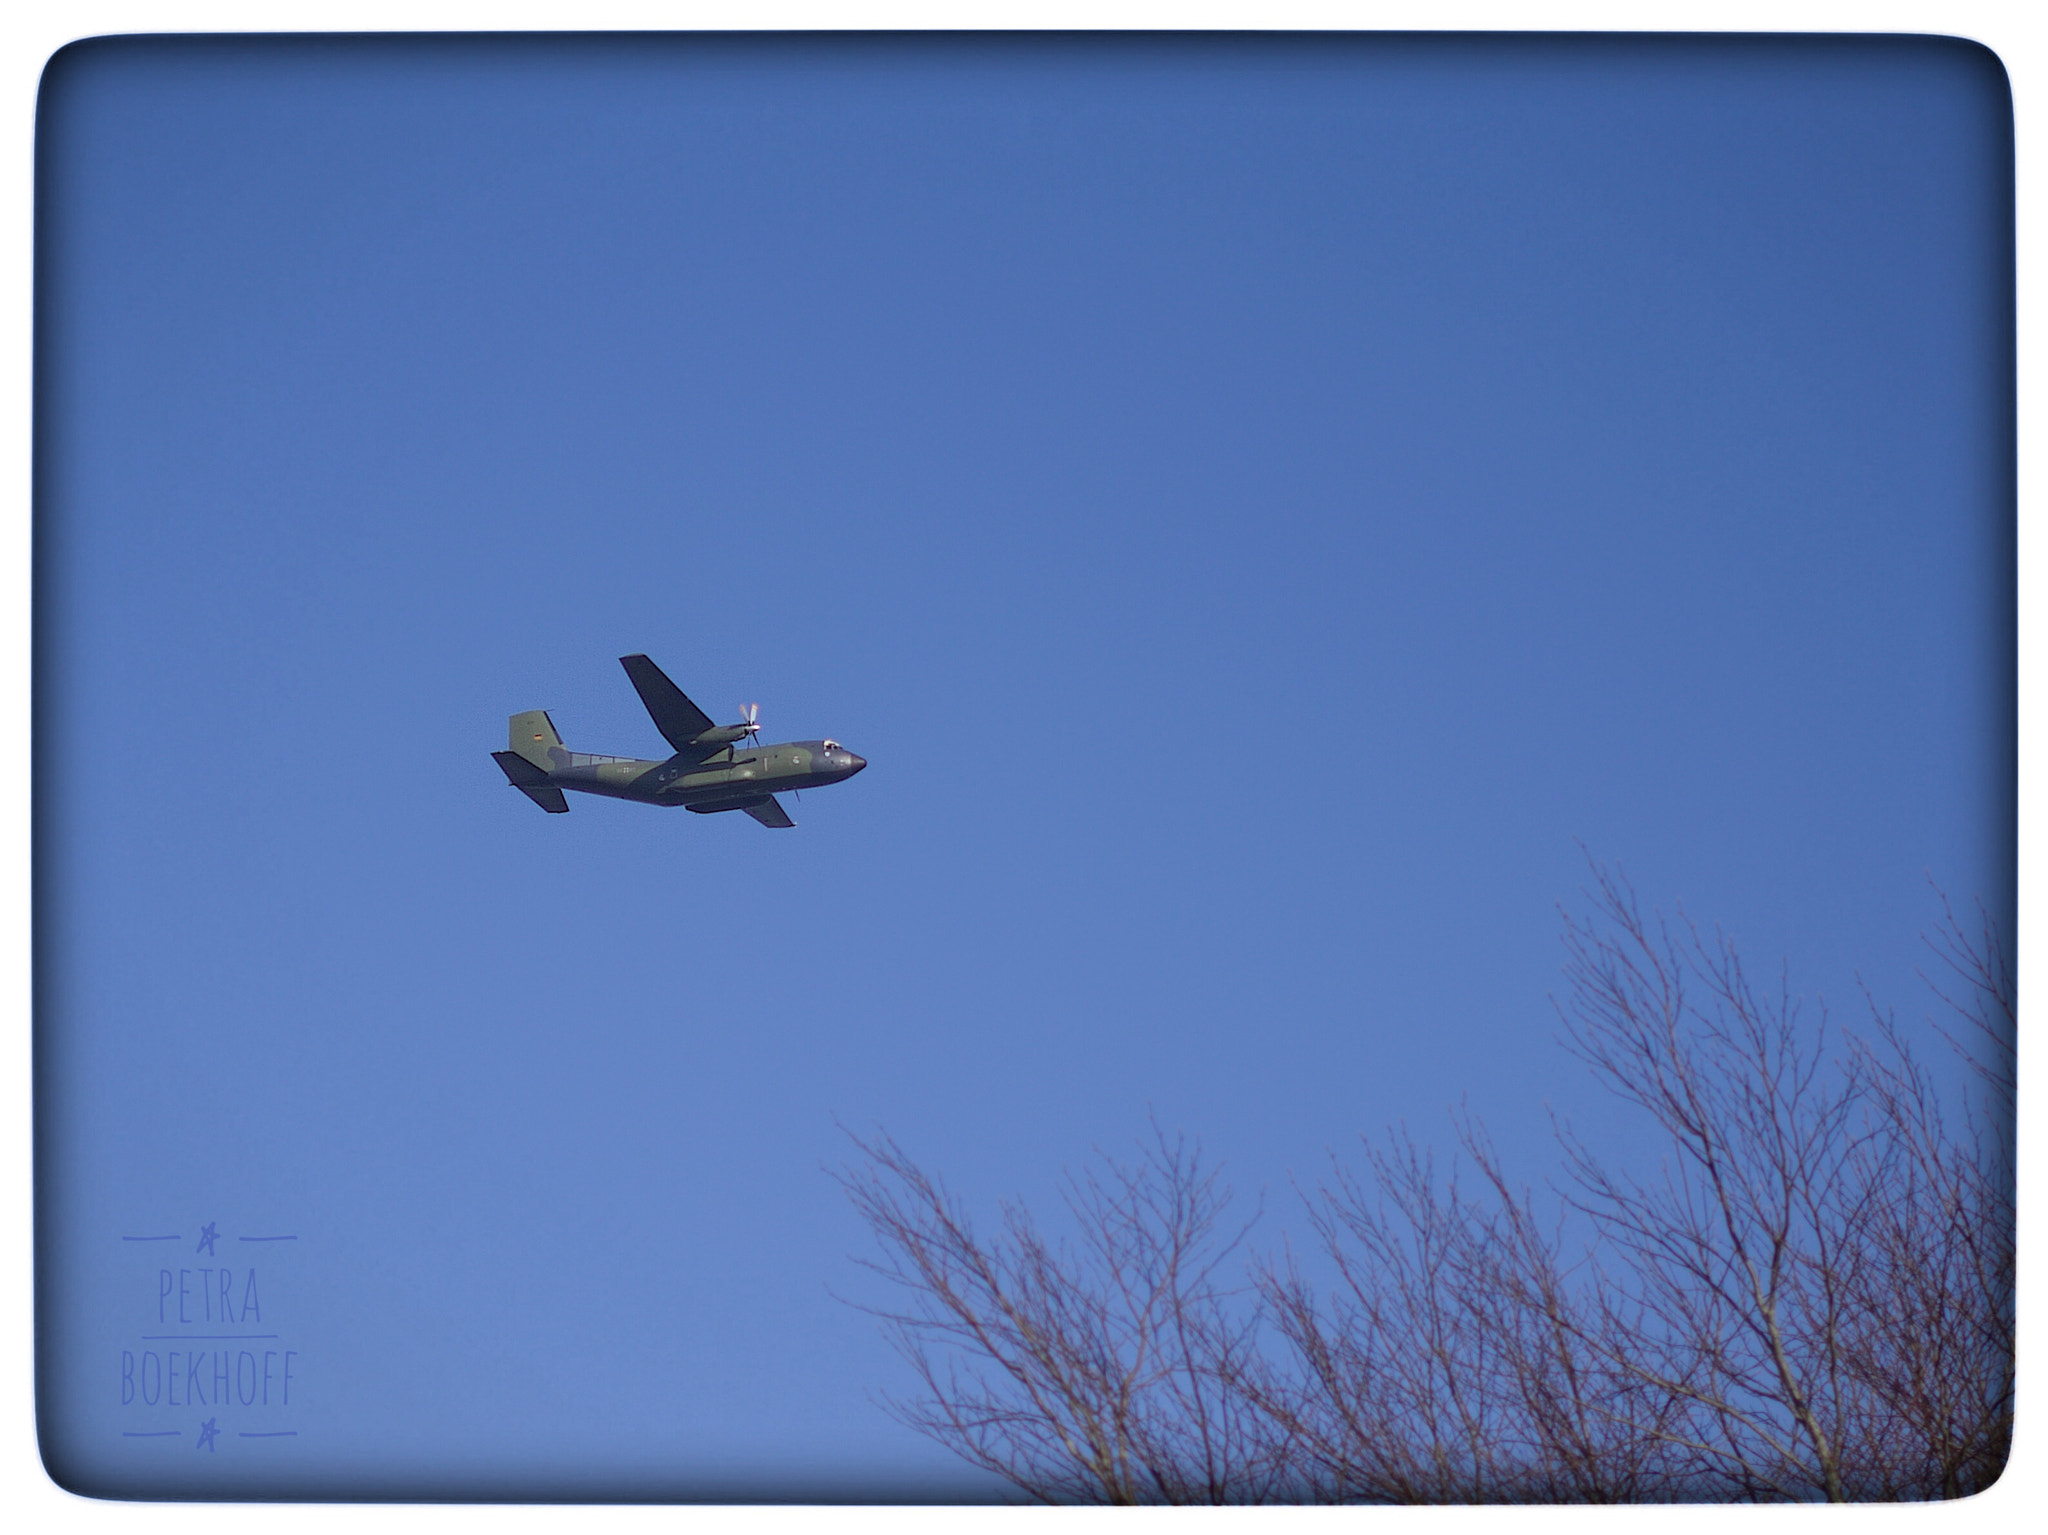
[
  {"x": 769, "y": 812},
  {"x": 764, "y": 808},
  {"x": 532, "y": 782},
  {"x": 679, "y": 720}
]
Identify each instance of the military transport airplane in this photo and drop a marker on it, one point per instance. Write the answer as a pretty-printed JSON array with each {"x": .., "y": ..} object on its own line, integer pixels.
[{"x": 704, "y": 775}]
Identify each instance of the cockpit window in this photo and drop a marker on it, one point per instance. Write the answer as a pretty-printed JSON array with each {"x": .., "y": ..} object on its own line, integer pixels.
[{"x": 830, "y": 746}]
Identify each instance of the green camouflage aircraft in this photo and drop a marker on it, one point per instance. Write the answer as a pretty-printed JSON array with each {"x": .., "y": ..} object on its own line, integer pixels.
[{"x": 704, "y": 775}]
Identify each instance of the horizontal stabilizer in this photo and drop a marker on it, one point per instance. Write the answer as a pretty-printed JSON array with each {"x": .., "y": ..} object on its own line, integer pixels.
[
  {"x": 547, "y": 796},
  {"x": 764, "y": 808},
  {"x": 518, "y": 769},
  {"x": 679, "y": 720},
  {"x": 532, "y": 782}
]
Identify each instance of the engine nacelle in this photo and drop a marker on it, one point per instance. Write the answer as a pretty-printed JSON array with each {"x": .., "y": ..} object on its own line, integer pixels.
[{"x": 722, "y": 735}]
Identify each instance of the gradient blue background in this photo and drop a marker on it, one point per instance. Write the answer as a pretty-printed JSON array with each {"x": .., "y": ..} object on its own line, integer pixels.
[{"x": 1258, "y": 504}]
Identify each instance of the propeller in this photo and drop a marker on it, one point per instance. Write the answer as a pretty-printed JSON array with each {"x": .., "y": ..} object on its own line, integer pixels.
[{"x": 750, "y": 716}]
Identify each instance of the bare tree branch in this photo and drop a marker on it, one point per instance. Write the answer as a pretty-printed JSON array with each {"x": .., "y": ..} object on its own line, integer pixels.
[
  {"x": 1809, "y": 1298},
  {"x": 1109, "y": 1368}
]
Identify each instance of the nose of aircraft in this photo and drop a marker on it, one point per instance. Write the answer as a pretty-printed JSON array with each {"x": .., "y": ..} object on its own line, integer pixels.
[{"x": 858, "y": 762}]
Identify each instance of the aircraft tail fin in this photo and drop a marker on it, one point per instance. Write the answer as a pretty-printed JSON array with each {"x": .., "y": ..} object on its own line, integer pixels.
[{"x": 533, "y": 733}]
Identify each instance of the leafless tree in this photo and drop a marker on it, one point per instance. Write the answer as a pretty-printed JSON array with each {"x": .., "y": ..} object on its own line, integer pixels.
[
  {"x": 1102, "y": 1369},
  {"x": 1811, "y": 1297},
  {"x": 1820, "y": 1272},
  {"x": 1460, "y": 1357},
  {"x": 1931, "y": 1334}
]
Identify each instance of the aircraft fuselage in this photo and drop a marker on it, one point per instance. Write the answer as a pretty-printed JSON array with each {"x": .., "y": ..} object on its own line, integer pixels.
[{"x": 734, "y": 773}]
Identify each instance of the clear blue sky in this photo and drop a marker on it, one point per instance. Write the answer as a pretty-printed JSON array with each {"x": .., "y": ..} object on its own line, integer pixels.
[{"x": 1258, "y": 505}]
